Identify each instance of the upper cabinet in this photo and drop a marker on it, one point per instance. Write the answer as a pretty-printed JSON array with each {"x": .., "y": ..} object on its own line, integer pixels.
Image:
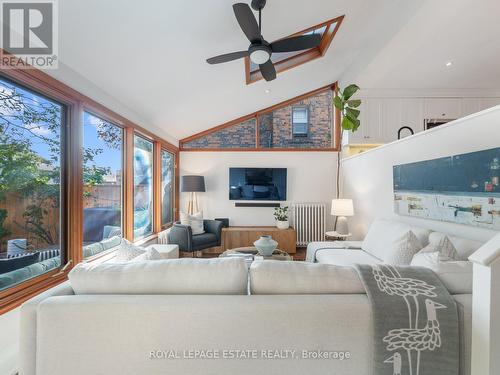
[
  {"x": 442, "y": 108},
  {"x": 381, "y": 118},
  {"x": 488, "y": 103}
]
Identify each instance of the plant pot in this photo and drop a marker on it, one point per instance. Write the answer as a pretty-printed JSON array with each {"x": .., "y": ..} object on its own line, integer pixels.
[
  {"x": 265, "y": 245},
  {"x": 282, "y": 224}
]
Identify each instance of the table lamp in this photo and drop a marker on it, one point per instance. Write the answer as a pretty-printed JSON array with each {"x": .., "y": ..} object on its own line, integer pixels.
[
  {"x": 192, "y": 185},
  {"x": 342, "y": 208}
]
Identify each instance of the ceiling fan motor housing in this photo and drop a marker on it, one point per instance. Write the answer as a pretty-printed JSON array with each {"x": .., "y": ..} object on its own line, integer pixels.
[
  {"x": 258, "y": 4},
  {"x": 259, "y": 52}
]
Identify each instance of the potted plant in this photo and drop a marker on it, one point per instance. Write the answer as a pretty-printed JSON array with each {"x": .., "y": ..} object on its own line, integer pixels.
[{"x": 281, "y": 216}]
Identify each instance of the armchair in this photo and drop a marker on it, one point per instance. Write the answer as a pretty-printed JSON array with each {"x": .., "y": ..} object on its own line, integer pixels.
[{"x": 182, "y": 236}]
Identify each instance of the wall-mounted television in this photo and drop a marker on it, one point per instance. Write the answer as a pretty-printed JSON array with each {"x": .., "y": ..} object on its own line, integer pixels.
[{"x": 257, "y": 184}]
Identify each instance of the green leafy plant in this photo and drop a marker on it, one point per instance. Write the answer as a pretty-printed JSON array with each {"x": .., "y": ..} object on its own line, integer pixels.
[
  {"x": 281, "y": 213},
  {"x": 347, "y": 106},
  {"x": 350, "y": 121}
]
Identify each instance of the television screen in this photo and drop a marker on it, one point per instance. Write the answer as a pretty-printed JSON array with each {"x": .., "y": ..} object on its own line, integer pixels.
[{"x": 257, "y": 184}]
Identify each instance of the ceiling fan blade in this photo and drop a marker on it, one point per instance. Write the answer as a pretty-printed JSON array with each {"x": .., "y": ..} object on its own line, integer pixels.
[
  {"x": 267, "y": 70},
  {"x": 296, "y": 43},
  {"x": 227, "y": 57},
  {"x": 247, "y": 21}
]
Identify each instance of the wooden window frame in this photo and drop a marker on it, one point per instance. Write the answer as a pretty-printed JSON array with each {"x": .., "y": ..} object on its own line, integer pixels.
[
  {"x": 332, "y": 27},
  {"x": 107, "y": 118},
  {"x": 158, "y": 221},
  {"x": 255, "y": 115},
  {"x": 72, "y": 176}
]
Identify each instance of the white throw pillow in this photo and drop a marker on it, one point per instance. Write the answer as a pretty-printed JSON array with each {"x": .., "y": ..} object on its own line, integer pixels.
[
  {"x": 444, "y": 249},
  {"x": 383, "y": 233},
  {"x": 401, "y": 250},
  {"x": 195, "y": 221},
  {"x": 456, "y": 275},
  {"x": 464, "y": 246},
  {"x": 127, "y": 251},
  {"x": 149, "y": 254}
]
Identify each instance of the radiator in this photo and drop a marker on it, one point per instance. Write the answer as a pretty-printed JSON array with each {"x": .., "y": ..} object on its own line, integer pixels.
[{"x": 309, "y": 222}]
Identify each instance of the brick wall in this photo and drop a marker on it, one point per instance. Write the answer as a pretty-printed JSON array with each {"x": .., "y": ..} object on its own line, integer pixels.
[
  {"x": 241, "y": 135},
  {"x": 275, "y": 129}
]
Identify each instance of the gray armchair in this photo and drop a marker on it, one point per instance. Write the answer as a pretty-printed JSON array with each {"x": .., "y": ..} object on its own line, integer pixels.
[{"x": 182, "y": 235}]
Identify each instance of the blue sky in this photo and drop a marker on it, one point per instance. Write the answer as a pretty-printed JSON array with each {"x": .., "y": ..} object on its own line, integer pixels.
[{"x": 110, "y": 157}]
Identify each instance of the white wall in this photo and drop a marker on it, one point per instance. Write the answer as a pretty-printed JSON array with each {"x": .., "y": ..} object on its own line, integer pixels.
[
  {"x": 9, "y": 342},
  {"x": 311, "y": 178},
  {"x": 367, "y": 177}
]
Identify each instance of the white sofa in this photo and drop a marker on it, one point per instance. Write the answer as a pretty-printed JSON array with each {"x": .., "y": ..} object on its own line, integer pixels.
[
  {"x": 127, "y": 318},
  {"x": 378, "y": 241}
]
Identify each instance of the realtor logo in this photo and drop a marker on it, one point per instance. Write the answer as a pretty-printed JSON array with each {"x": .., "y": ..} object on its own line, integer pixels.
[{"x": 29, "y": 31}]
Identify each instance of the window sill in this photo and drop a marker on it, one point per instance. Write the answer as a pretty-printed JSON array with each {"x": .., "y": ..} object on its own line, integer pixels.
[{"x": 16, "y": 295}]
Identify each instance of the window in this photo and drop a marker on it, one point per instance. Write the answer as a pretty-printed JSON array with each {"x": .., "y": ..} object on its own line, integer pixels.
[
  {"x": 143, "y": 187},
  {"x": 31, "y": 134},
  {"x": 300, "y": 121},
  {"x": 102, "y": 184},
  {"x": 287, "y": 60},
  {"x": 305, "y": 122},
  {"x": 232, "y": 135},
  {"x": 167, "y": 188}
]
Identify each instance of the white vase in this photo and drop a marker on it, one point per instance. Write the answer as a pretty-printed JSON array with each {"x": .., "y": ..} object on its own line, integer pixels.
[
  {"x": 282, "y": 224},
  {"x": 265, "y": 245}
]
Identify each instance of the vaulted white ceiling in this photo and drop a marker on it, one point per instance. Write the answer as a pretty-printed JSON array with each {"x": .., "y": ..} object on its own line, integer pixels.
[{"x": 146, "y": 60}]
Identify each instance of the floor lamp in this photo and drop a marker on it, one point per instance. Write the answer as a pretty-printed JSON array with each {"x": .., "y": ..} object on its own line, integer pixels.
[{"x": 192, "y": 185}]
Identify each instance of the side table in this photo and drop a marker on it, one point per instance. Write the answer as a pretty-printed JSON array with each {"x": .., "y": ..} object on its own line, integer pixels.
[{"x": 335, "y": 236}]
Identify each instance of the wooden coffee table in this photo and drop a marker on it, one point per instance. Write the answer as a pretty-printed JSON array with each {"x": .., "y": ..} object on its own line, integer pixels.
[{"x": 251, "y": 253}]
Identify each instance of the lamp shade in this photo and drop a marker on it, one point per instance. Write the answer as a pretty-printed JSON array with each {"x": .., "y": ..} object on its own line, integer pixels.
[
  {"x": 190, "y": 184},
  {"x": 342, "y": 207}
]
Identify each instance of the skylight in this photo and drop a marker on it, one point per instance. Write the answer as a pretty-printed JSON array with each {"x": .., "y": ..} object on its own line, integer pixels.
[{"x": 288, "y": 60}]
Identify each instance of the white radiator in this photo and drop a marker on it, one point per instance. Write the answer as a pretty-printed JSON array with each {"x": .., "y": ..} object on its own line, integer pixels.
[{"x": 309, "y": 222}]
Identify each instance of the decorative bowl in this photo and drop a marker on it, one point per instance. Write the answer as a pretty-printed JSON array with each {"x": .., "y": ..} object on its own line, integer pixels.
[{"x": 265, "y": 245}]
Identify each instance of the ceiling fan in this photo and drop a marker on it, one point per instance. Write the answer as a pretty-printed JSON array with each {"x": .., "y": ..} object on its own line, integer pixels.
[{"x": 260, "y": 50}]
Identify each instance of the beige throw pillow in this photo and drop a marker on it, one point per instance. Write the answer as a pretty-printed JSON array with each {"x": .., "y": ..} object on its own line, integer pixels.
[
  {"x": 148, "y": 254},
  {"x": 402, "y": 249},
  {"x": 195, "y": 221},
  {"x": 127, "y": 251},
  {"x": 445, "y": 249}
]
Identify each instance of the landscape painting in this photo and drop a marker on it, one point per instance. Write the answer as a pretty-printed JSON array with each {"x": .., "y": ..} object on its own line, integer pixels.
[{"x": 462, "y": 189}]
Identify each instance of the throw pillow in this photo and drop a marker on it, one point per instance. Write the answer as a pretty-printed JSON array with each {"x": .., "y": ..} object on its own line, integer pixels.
[
  {"x": 444, "y": 249},
  {"x": 402, "y": 249},
  {"x": 149, "y": 254},
  {"x": 127, "y": 251},
  {"x": 195, "y": 221}
]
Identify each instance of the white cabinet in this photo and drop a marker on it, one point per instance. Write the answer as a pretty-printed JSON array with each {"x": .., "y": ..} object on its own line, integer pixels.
[
  {"x": 412, "y": 114},
  {"x": 370, "y": 120},
  {"x": 442, "y": 108},
  {"x": 489, "y": 102},
  {"x": 381, "y": 118},
  {"x": 391, "y": 119},
  {"x": 470, "y": 106}
]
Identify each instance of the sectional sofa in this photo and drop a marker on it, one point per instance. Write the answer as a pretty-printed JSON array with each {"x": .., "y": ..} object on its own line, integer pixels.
[{"x": 174, "y": 316}]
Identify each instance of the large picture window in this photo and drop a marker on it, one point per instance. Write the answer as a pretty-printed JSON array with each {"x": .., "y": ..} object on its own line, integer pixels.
[
  {"x": 31, "y": 128},
  {"x": 167, "y": 187},
  {"x": 143, "y": 187},
  {"x": 102, "y": 189}
]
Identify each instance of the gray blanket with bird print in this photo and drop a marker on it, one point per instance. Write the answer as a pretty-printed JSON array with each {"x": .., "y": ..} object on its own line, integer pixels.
[{"x": 415, "y": 321}]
